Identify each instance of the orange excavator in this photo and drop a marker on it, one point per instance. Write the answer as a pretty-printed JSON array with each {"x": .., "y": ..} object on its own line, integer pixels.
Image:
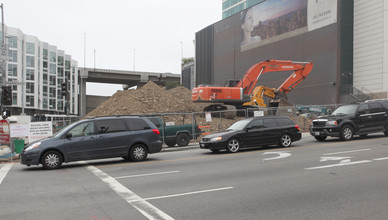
[{"x": 244, "y": 93}]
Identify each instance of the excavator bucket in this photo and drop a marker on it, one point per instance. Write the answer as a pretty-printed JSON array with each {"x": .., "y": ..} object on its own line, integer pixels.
[{"x": 277, "y": 107}]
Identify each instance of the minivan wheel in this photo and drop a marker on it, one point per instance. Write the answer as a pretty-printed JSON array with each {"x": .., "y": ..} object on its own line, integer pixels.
[
  {"x": 320, "y": 138},
  {"x": 182, "y": 139},
  {"x": 233, "y": 145},
  {"x": 346, "y": 133},
  {"x": 285, "y": 140},
  {"x": 51, "y": 160},
  {"x": 138, "y": 152}
]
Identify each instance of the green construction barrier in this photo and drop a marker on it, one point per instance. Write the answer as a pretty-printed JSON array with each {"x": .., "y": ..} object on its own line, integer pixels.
[{"x": 19, "y": 144}]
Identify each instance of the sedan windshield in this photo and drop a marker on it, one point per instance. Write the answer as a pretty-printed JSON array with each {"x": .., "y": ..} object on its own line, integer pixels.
[
  {"x": 239, "y": 125},
  {"x": 345, "y": 110}
]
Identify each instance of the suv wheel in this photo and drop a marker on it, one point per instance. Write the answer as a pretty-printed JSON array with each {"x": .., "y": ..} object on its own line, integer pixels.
[
  {"x": 285, "y": 140},
  {"x": 138, "y": 152},
  {"x": 182, "y": 139},
  {"x": 52, "y": 160},
  {"x": 346, "y": 133},
  {"x": 320, "y": 138},
  {"x": 233, "y": 145}
]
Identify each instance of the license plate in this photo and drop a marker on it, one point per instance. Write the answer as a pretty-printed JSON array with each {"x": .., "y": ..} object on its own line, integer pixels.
[{"x": 317, "y": 133}]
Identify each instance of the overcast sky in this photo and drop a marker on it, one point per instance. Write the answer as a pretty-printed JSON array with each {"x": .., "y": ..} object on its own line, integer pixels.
[{"x": 144, "y": 35}]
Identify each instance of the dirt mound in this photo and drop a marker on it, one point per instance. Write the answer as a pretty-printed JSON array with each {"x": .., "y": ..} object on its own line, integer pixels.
[{"x": 150, "y": 98}]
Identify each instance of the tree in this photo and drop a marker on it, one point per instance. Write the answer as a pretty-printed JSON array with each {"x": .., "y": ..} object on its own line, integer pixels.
[{"x": 187, "y": 60}]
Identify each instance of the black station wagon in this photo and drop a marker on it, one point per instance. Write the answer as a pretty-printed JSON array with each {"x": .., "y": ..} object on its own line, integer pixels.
[
  {"x": 130, "y": 137},
  {"x": 254, "y": 132}
]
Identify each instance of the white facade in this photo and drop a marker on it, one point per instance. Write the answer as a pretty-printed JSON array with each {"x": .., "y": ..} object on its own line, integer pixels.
[
  {"x": 35, "y": 70},
  {"x": 370, "y": 61}
]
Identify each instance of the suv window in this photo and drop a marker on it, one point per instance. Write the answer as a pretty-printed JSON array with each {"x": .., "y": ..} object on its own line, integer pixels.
[
  {"x": 110, "y": 125},
  {"x": 136, "y": 124},
  {"x": 83, "y": 129},
  {"x": 284, "y": 121},
  {"x": 375, "y": 107},
  {"x": 270, "y": 122},
  {"x": 364, "y": 109}
]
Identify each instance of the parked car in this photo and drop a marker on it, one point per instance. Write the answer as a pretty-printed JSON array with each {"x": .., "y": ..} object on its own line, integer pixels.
[
  {"x": 130, "y": 137},
  {"x": 176, "y": 134},
  {"x": 253, "y": 132},
  {"x": 353, "y": 119}
]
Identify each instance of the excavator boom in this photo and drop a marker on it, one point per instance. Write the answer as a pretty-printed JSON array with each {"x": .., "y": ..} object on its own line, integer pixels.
[{"x": 244, "y": 92}]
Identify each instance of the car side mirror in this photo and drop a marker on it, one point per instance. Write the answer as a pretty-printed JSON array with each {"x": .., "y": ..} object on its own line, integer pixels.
[{"x": 69, "y": 135}]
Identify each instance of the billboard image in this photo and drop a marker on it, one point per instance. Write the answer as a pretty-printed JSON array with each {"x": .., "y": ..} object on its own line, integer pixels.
[{"x": 275, "y": 20}]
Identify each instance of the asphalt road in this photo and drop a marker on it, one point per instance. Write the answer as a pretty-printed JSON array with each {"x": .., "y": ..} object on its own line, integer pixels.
[{"x": 311, "y": 180}]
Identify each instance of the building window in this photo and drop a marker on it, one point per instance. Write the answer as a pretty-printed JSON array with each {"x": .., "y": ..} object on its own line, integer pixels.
[
  {"x": 12, "y": 70},
  {"x": 52, "y": 80},
  {"x": 30, "y": 48},
  {"x": 13, "y": 42},
  {"x": 44, "y": 64},
  {"x": 60, "y": 105},
  {"x": 12, "y": 56},
  {"x": 53, "y": 57},
  {"x": 30, "y": 61},
  {"x": 45, "y": 103},
  {"x": 53, "y": 68},
  {"x": 45, "y": 90},
  {"x": 60, "y": 61},
  {"x": 52, "y": 104},
  {"x": 29, "y": 74},
  {"x": 60, "y": 71},
  {"x": 67, "y": 64},
  {"x": 14, "y": 98},
  {"x": 45, "y": 54},
  {"x": 29, "y": 100},
  {"x": 29, "y": 87},
  {"x": 52, "y": 92},
  {"x": 45, "y": 78}
]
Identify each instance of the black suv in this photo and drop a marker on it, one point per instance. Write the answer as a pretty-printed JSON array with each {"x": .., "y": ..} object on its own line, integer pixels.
[
  {"x": 253, "y": 132},
  {"x": 130, "y": 137},
  {"x": 353, "y": 119}
]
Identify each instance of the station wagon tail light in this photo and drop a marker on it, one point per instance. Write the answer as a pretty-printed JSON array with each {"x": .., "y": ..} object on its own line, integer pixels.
[
  {"x": 297, "y": 127},
  {"x": 156, "y": 131}
]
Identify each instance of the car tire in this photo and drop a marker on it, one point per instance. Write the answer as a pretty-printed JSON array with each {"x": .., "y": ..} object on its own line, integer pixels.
[
  {"x": 182, "y": 139},
  {"x": 233, "y": 145},
  {"x": 320, "y": 138},
  {"x": 285, "y": 140},
  {"x": 138, "y": 152},
  {"x": 346, "y": 133},
  {"x": 51, "y": 160}
]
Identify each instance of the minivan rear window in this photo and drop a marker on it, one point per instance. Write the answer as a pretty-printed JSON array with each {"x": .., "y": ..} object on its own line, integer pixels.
[
  {"x": 136, "y": 124},
  {"x": 110, "y": 125}
]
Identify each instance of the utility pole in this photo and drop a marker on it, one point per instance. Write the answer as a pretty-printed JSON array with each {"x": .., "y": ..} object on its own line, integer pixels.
[{"x": 3, "y": 55}]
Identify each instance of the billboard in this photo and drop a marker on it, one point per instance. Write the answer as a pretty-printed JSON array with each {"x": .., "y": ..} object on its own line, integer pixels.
[{"x": 275, "y": 20}]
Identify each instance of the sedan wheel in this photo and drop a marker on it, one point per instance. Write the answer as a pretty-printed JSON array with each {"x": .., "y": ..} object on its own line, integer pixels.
[
  {"x": 233, "y": 145},
  {"x": 138, "y": 152},
  {"x": 52, "y": 160},
  {"x": 285, "y": 140}
]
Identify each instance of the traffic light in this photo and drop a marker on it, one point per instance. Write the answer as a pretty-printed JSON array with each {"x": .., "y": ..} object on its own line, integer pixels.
[
  {"x": 64, "y": 88},
  {"x": 6, "y": 95}
]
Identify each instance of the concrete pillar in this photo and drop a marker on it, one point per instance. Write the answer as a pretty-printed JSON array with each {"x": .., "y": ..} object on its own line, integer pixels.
[{"x": 82, "y": 92}]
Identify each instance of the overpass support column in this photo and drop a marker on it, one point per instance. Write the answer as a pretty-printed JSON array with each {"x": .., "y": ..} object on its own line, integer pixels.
[{"x": 82, "y": 97}]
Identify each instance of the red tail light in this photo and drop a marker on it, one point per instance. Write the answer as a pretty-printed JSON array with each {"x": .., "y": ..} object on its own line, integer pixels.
[
  {"x": 297, "y": 127},
  {"x": 156, "y": 131}
]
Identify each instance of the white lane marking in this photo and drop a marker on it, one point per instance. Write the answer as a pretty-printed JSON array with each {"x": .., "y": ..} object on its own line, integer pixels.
[
  {"x": 339, "y": 164},
  {"x": 383, "y": 158},
  {"x": 282, "y": 154},
  {"x": 4, "y": 170},
  {"x": 344, "y": 152},
  {"x": 188, "y": 193},
  {"x": 323, "y": 159},
  {"x": 145, "y": 208},
  {"x": 147, "y": 174}
]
